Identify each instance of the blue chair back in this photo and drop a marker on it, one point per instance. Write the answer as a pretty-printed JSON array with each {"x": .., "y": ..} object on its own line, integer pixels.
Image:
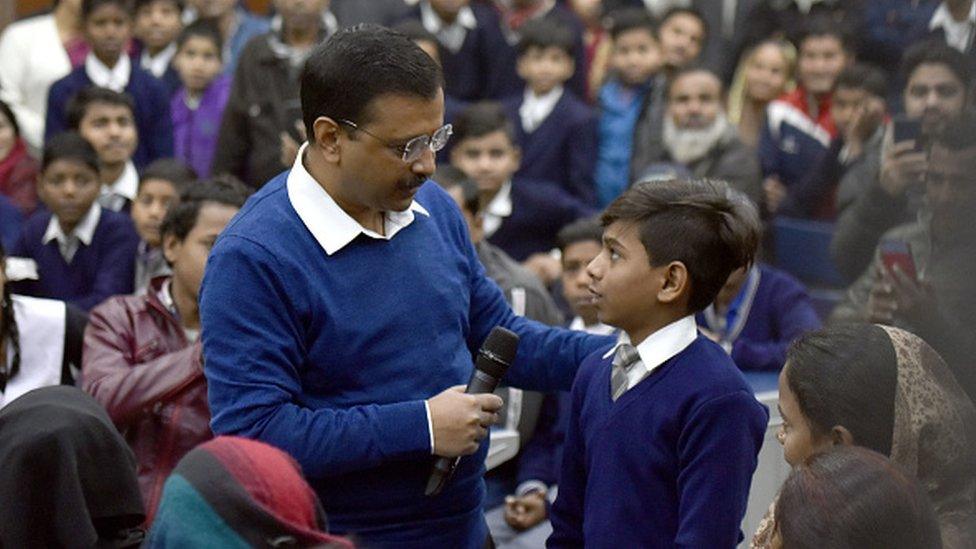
[{"x": 802, "y": 248}]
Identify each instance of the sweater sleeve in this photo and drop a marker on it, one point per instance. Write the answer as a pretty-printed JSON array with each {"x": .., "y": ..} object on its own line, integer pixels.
[
  {"x": 567, "y": 511},
  {"x": 793, "y": 315},
  {"x": 160, "y": 139},
  {"x": 116, "y": 272},
  {"x": 253, "y": 363},
  {"x": 230, "y": 155},
  {"x": 718, "y": 452},
  {"x": 768, "y": 151},
  {"x": 539, "y": 460},
  {"x": 54, "y": 122}
]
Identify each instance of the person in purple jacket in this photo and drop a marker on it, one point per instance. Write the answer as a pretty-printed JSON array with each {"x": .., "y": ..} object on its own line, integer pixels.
[{"x": 199, "y": 104}]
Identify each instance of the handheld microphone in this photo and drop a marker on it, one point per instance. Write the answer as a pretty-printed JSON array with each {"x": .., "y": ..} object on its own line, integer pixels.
[{"x": 494, "y": 358}]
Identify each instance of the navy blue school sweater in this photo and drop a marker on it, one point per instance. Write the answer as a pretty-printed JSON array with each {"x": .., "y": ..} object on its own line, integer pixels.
[
  {"x": 668, "y": 464},
  {"x": 563, "y": 148},
  {"x": 153, "y": 120},
  {"x": 96, "y": 272},
  {"x": 330, "y": 358}
]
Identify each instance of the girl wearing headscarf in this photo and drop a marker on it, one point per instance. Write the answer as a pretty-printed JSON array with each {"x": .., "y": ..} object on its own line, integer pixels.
[
  {"x": 68, "y": 478},
  {"x": 235, "y": 492},
  {"x": 887, "y": 390}
]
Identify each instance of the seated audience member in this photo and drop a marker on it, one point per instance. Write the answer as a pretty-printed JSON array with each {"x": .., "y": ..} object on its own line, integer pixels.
[
  {"x": 798, "y": 125},
  {"x": 198, "y": 105},
  {"x": 889, "y": 192},
  {"x": 555, "y": 130},
  {"x": 70, "y": 472},
  {"x": 18, "y": 170},
  {"x": 143, "y": 357},
  {"x": 851, "y": 498},
  {"x": 696, "y": 134},
  {"x": 951, "y": 24},
  {"x": 858, "y": 111},
  {"x": 596, "y": 45},
  {"x": 884, "y": 389},
  {"x": 683, "y": 455},
  {"x": 521, "y": 216},
  {"x": 891, "y": 27},
  {"x": 237, "y": 26},
  {"x": 156, "y": 25},
  {"x": 40, "y": 341},
  {"x": 766, "y": 73},
  {"x": 756, "y": 316},
  {"x": 106, "y": 120},
  {"x": 634, "y": 63},
  {"x": 11, "y": 222},
  {"x": 108, "y": 27},
  {"x": 236, "y": 492},
  {"x": 920, "y": 277},
  {"x": 159, "y": 189},
  {"x": 84, "y": 253},
  {"x": 264, "y": 99}
]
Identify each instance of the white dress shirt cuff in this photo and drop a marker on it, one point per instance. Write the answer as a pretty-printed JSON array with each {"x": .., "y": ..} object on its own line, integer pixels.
[
  {"x": 531, "y": 486},
  {"x": 430, "y": 427}
]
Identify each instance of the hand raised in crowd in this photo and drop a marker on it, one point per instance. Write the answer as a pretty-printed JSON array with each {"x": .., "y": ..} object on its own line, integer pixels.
[
  {"x": 902, "y": 167},
  {"x": 774, "y": 192},
  {"x": 524, "y": 512},
  {"x": 460, "y": 421},
  {"x": 865, "y": 122},
  {"x": 897, "y": 293}
]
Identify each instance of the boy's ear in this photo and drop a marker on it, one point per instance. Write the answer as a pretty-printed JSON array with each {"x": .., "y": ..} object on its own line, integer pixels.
[
  {"x": 326, "y": 134},
  {"x": 516, "y": 156},
  {"x": 676, "y": 284},
  {"x": 171, "y": 247}
]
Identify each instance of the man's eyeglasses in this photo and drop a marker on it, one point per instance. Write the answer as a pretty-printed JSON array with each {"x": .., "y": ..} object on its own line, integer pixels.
[{"x": 413, "y": 149}]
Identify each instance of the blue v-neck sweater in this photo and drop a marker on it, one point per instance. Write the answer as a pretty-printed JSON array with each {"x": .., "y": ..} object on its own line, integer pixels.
[
  {"x": 330, "y": 357},
  {"x": 668, "y": 464}
]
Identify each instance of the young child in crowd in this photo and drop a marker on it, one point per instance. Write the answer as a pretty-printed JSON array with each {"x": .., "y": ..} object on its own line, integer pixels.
[
  {"x": 157, "y": 24},
  {"x": 682, "y": 35},
  {"x": 199, "y": 104},
  {"x": 84, "y": 253},
  {"x": 166, "y": 385},
  {"x": 555, "y": 130},
  {"x": 521, "y": 216},
  {"x": 108, "y": 27},
  {"x": 664, "y": 432},
  {"x": 105, "y": 119},
  {"x": 159, "y": 189},
  {"x": 635, "y": 60}
]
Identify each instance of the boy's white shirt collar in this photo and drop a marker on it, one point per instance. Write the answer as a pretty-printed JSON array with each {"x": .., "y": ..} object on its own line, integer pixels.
[
  {"x": 959, "y": 35},
  {"x": 535, "y": 108},
  {"x": 497, "y": 210},
  {"x": 84, "y": 232},
  {"x": 661, "y": 346},
  {"x": 157, "y": 64},
  {"x": 452, "y": 35},
  {"x": 114, "y": 78},
  {"x": 331, "y": 226},
  {"x": 124, "y": 188}
]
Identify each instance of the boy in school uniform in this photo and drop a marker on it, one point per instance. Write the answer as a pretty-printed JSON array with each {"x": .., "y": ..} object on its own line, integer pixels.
[
  {"x": 108, "y": 27},
  {"x": 157, "y": 24},
  {"x": 555, "y": 130},
  {"x": 664, "y": 432},
  {"x": 106, "y": 120},
  {"x": 84, "y": 253}
]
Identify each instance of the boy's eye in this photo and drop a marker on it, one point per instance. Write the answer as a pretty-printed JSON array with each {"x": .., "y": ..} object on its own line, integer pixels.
[{"x": 614, "y": 255}]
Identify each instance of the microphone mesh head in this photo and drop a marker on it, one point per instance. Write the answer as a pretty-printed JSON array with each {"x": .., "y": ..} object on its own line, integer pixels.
[{"x": 502, "y": 343}]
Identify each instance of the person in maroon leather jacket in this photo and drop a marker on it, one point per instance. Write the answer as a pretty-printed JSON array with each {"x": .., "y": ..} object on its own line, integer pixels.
[{"x": 142, "y": 354}]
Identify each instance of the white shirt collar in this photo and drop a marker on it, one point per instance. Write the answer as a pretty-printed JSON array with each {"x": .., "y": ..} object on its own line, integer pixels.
[
  {"x": 83, "y": 233},
  {"x": 497, "y": 210},
  {"x": 535, "y": 108},
  {"x": 450, "y": 35},
  {"x": 115, "y": 78},
  {"x": 157, "y": 64},
  {"x": 123, "y": 189},
  {"x": 959, "y": 35},
  {"x": 331, "y": 226},
  {"x": 577, "y": 325},
  {"x": 662, "y": 345}
]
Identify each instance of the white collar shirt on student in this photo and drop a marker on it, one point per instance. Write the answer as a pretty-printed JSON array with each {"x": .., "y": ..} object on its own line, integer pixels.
[
  {"x": 157, "y": 64},
  {"x": 122, "y": 190},
  {"x": 452, "y": 35},
  {"x": 577, "y": 325},
  {"x": 659, "y": 347},
  {"x": 959, "y": 35},
  {"x": 536, "y": 108},
  {"x": 115, "y": 78},
  {"x": 497, "y": 210},
  {"x": 83, "y": 233},
  {"x": 332, "y": 227}
]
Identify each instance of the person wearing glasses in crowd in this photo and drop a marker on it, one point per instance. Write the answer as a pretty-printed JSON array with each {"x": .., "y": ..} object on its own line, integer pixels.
[{"x": 357, "y": 301}]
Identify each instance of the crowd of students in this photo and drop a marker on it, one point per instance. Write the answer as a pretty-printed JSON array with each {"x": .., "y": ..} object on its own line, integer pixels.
[{"x": 620, "y": 156}]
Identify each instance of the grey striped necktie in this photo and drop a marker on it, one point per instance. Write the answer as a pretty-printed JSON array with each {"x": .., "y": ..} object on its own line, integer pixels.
[{"x": 623, "y": 361}]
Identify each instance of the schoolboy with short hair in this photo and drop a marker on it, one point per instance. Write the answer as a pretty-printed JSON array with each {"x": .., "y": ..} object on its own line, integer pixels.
[
  {"x": 664, "y": 430},
  {"x": 159, "y": 190},
  {"x": 84, "y": 253},
  {"x": 108, "y": 27},
  {"x": 555, "y": 130},
  {"x": 157, "y": 23}
]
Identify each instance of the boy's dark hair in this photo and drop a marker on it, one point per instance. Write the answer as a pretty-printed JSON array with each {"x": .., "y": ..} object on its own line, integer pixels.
[
  {"x": 846, "y": 375},
  {"x": 449, "y": 177},
  {"x": 822, "y": 24},
  {"x": 850, "y": 497},
  {"x": 863, "y": 76},
  {"x": 201, "y": 28},
  {"x": 89, "y": 6},
  {"x": 481, "y": 119},
  {"x": 686, "y": 11},
  {"x": 702, "y": 223},
  {"x": 936, "y": 52},
  {"x": 139, "y": 4},
  {"x": 415, "y": 31},
  {"x": 581, "y": 230},
  {"x": 79, "y": 103},
  {"x": 69, "y": 145},
  {"x": 629, "y": 19},
  {"x": 959, "y": 133},
  {"x": 358, "y": 64},
  {"x": 545, "y": 33},
  {"x": 182, "y": 216},
  {"x": 169, "y": 169},
  {"x": 6, "y": 111}
]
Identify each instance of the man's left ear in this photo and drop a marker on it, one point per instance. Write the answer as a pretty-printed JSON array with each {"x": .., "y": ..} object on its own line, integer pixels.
[{"x": 676, "y": 283}]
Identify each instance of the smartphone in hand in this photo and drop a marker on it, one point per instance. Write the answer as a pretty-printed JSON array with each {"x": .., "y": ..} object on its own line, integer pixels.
[
  {"x": 897, "y": 253},
  {"x": 906, "y": 129}
]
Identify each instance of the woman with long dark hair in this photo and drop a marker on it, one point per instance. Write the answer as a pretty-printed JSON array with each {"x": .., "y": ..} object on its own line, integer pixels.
[{"x": 18, "y": 170}]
